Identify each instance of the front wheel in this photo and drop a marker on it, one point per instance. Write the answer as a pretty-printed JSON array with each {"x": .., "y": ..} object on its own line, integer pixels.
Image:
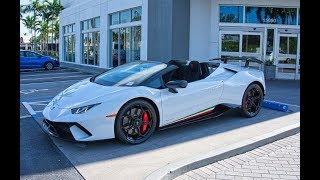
[
  {"x": 48, "y": 66},
  {"x": 251, "y": 101},
  {"x": 135, "y": 122}
]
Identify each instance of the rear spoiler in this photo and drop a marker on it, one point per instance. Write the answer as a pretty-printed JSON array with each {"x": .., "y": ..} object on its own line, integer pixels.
[{"x": 246, "y": 59}]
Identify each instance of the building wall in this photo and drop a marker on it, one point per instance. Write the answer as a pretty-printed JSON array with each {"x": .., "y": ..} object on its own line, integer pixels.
[
  {"x": 79, "y": 10},
  {"x": 204, "y": 37}
]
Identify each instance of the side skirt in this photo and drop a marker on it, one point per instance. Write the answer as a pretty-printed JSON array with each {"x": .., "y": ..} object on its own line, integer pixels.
[{"x": 217, "y": 111}]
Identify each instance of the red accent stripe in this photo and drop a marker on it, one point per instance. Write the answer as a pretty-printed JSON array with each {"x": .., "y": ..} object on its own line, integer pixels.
[{"x": 198, "y": 115}]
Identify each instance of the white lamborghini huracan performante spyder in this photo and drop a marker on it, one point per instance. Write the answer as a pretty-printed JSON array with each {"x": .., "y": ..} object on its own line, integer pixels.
[{"x": 133, "y": 100}]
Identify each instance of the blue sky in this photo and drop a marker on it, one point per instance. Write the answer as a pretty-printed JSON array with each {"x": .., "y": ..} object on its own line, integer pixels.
[{"x": 23, "y": 29}]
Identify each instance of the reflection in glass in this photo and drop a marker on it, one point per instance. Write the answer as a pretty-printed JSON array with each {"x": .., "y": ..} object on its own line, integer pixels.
[
  {"x": 125, "y": 16},
  {"x": 230, "y": 42},
  {"x": 231, "y": 14},
  {"x": 136, "y": 14},
  {"x": 251, "y": 43},
  {"x": 114, "y": 47},
  {"x": 271, "y": 15},
  {"x": 287, "y": 61},
  {"x": 85, "y": 25},
  {"x": 136, "y": 43},
  {"x": 122, "y": 41},
  {"x": 288, "y": 45},
  {"x": 85, "y": 48},
  {"x": 114, "y": 18},
  {"x": 73, "y": 44},
  {"x": 125, "y": 45},
  {"x": 286, "y": 70}
]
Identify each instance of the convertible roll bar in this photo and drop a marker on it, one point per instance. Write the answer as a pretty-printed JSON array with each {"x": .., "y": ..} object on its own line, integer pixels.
[{"x": 246, "y": 59}]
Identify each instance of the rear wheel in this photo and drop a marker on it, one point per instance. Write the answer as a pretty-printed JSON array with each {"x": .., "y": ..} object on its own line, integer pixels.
[
  {"x": 48, "y": 66},
  {"x": 135, "y": 122},
  {"x": 251, "y": 101}
]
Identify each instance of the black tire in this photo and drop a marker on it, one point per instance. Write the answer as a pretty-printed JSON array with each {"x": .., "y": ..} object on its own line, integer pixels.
[
  {"x": 135, "y": 122},
  {"x": 48, "y": 66},
  {"x": 251, "y": 101}
]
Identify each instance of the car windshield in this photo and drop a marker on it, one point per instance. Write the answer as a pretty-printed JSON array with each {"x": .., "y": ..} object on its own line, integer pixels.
[{"x": 129, "y": 74}]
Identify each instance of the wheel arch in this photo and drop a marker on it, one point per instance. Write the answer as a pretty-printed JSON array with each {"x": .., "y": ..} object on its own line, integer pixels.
[
  {"x": 149, "y": 101},
  {"x": 260, "y": 85}
]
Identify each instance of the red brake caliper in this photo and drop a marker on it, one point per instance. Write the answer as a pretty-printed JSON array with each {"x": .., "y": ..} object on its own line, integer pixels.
[{"x": 145, "y": 119}]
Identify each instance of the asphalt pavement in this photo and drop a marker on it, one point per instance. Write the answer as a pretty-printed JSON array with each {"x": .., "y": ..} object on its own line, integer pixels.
[{"x": 39, "y": 156}]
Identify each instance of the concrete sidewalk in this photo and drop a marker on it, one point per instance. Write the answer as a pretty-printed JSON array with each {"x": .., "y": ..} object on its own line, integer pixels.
[{"x": 277, "y": 160}]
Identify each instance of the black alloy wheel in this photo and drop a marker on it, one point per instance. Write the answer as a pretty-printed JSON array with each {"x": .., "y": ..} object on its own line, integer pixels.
[
  {"x": 135, "y": 122},
  {"x": 251, "y": 101}
]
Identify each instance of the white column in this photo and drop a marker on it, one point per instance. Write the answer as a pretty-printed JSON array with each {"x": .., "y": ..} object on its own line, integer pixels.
[
  {"x": 144, "y": 31},
  {"x": 78, "y": 44},
  {"x": 104, "y": 40}
]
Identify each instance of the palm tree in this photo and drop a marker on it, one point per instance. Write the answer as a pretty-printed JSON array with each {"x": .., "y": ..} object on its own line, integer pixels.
[
  {"x": 35, "y": 8},
  {"x": 29, "y": 22},
  {"x": 54, "y": 7},
  {"x": 56, "y": 33},
  {"x": 44, "y": 31}
]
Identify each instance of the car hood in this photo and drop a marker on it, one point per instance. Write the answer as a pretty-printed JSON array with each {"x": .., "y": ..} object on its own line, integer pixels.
[{"x": 83, "y": 93}]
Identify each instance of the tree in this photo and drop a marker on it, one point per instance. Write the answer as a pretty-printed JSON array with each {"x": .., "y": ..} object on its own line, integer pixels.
[
  {"x": 29, "y": 22},
  {"x": 56, "y": 33},
  {"x": 54, "y": 8},
  {"x": 35, "y": 8}
]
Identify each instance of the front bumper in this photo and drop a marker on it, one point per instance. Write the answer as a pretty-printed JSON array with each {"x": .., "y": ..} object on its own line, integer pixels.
[{"x": 65, "y": 130}]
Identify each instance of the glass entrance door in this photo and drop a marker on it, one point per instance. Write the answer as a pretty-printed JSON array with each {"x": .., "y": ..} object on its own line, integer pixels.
[
  {"x": 241, "y": 44},
  {"x": 288, "y": 56}
]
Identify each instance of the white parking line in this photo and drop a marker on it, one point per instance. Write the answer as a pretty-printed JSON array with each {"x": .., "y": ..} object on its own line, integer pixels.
[
  {"x": 29, "y": 108},
  {"x": 44, "y": 74},
  {"x": 75, "y": 80},
  {"x": 54, "y": 77},
  {"x": 37, "y": 102}
]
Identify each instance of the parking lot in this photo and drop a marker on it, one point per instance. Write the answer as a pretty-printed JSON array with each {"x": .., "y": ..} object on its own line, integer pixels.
[{"x": 46, "y": 157}]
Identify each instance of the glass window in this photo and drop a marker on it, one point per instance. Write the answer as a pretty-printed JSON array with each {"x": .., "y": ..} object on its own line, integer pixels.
[
  {"x": 136, "y": 14},
  {"x": 155, "y": 83},
  {"x": 90, "y": 50},
  {"x": 230, "y": 42},
  {"x": 125, "y": 45},
  {"x": 136, "y": 43},
  {"x": 85, "y": 48},
  {"x": 251, "y": 43},
  {"x": 288, "y": 45},
  {"x": 31, "y": 54},
  {"x": 270, "y": 40},
  {"x": 114, "y": 47},
  {"x": 97, "y": 22},
  {"x": 85, "y": 25},
  {"x": 114, "y": 18},
  {"x": 21, "y": 53},
  {"x": 231, "y": 14},
  {"x": 271, "y": 15},
  {"x": 125, "y": 16},
  {"x": 129, "y": 74},
  {"x": 299, "y": 17}
]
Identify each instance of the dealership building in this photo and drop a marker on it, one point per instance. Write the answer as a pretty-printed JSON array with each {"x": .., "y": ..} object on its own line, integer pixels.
[{"x": 107, "y": 33}]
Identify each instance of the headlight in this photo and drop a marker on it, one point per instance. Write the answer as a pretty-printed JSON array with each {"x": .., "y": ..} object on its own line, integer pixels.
[{"x": 83, "y": 109}]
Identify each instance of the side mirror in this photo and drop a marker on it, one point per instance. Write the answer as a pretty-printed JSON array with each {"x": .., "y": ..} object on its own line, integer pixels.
[{"x": 173, "y": 85}]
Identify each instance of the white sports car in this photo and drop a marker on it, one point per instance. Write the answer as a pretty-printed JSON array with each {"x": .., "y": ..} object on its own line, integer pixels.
[{"x": 133, "y": 100}]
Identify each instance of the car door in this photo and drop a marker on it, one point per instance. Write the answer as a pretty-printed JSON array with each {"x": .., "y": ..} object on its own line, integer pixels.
[
  {"x": 32, "y": 59},
  {"x": 196, "y": 99}
]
